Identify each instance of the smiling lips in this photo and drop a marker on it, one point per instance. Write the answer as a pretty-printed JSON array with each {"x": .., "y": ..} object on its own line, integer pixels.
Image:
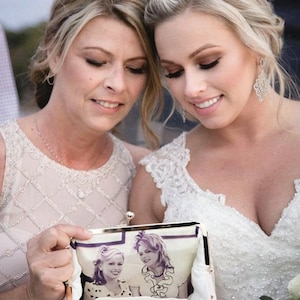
[
  {"x": 107, "y": 104},
  {"x": 115, "y": 273},
  {"x": 208, "y": 103}
]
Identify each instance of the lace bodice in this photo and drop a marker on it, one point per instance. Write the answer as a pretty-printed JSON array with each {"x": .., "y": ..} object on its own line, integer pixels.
[
  {"x": 247, "y": 262},
  {"x": 38, "y": 193}
]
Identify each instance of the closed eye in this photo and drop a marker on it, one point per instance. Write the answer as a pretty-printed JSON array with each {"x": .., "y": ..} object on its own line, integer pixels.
[
  {"x": 95, "y": 62},
  {"x": 174, "y": 74},
  {"x": 209, "y": 66},
  {"x": 137, "y": 71}
]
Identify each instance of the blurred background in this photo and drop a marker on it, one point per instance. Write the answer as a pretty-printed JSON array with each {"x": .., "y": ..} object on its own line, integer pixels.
[{"x": 23, "y": 22}]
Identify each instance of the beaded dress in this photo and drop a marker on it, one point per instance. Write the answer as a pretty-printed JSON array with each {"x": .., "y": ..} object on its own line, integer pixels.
[
  {"x": 247, "y": 262},
  {"x": 37, "y": 193}
]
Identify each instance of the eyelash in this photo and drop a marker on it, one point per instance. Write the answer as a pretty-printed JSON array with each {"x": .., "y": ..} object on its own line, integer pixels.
[
  {"x": 133, "y": 70},
  {"x": 94, "y": 62},
  {"x": 210, "y": 65},
  {"x": 202, "y": 67},
  {"x": 137, "y": 71}
]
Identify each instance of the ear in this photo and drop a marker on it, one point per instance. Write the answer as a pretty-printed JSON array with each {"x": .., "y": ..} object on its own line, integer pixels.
[
  {"x": 53, "y": 62},
  {"x": 259, "y": 57}
]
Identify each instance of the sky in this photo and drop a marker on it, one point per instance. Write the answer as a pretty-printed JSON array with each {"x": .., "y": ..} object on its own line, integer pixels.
[{"x": 17, "y": 14}]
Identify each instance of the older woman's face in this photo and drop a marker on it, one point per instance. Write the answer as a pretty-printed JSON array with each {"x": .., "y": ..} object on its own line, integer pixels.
[
  {"x": 104, "y": 72},
  {"x": 147, "y": 256}
]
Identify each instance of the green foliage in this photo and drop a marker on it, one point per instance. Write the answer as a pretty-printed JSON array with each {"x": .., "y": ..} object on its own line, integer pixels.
[{"x": 22, "y": 45}]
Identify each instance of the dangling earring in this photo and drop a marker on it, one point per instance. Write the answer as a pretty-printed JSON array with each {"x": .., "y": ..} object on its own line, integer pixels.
[
  {"x": 50, "y": 80},
  {"x": 261, "y": 85},
  {"x": 182, "y": 113}
]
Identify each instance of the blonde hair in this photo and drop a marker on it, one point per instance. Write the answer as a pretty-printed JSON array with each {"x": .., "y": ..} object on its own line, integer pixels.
[
  {"x": 253, "y": 21},
  {"x": 67, "y": 19}
]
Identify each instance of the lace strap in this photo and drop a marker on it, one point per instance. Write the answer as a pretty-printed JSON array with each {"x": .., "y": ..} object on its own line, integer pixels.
[
  {"x": 165, "y": 162},
  {"x": 297, "y": 185}
]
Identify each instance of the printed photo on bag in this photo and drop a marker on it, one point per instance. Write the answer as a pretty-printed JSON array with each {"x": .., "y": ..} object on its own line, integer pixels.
[{"x": 146, "y": 260}]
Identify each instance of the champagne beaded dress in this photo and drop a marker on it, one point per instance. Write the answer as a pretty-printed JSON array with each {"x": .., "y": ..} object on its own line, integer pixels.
[{"x": 37, "y": 193}]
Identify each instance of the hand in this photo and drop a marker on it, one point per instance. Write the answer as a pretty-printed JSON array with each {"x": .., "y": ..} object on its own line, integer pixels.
[{"x": 50, "y": 261}]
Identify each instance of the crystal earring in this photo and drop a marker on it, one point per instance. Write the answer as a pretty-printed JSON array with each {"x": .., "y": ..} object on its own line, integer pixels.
[
  {"x": 182, "y": 113},
  {"x": 261, "y": 85}
]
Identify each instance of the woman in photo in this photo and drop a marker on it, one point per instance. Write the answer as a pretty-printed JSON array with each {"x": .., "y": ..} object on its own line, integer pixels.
[
  {"x": 158, "y": 277},
  {"x": 106, "y": 283}
]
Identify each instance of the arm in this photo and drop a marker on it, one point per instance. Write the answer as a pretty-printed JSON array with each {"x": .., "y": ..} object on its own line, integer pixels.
[
  {"x": 50, "y": 264},
  {"x": 145, "y": 199}
]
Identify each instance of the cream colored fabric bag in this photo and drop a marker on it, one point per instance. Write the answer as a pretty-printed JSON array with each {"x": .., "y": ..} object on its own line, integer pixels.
[{"x": 185, "y": 245}]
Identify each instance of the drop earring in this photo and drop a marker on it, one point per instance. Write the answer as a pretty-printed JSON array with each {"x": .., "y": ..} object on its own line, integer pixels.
[{"x": 261, "y": 85}]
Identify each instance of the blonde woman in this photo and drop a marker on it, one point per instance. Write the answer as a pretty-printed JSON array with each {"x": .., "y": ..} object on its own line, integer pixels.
[
  {"x": 106, "y": 281},
  {"x": 62, "y": 166}
]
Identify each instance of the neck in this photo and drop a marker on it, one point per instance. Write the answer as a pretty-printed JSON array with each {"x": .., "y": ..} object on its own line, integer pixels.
[
  {"x": 158, "y": 272},
  {"x": 71, "y": 150},
  {"x": 254, "y": 124}
]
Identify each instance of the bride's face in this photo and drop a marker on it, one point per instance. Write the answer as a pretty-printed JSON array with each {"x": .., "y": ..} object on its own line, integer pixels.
[{"x": 207, "y": 67}]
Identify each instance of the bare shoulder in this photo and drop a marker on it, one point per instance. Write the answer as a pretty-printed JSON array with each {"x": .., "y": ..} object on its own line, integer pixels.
[{"x": 137, "y": 152}]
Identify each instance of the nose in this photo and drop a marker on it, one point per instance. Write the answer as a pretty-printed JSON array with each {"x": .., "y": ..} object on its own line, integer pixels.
[
  {"x": 195, "y": 83},
  {"x": 115, "y": 80}
]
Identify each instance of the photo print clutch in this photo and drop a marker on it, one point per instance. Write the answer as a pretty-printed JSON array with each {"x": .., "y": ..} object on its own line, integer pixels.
[{"x": 145, "y": 261}]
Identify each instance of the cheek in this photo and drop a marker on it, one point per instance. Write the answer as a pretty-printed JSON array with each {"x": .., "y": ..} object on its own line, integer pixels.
[
  {"x": 136, "y": 87},
  {"x": 176, "y": 88},
  {"x": 240, "y": 75},
  {"x": 77, "y": 73}
]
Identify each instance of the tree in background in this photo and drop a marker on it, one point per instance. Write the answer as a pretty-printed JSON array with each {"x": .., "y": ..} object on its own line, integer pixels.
[{"x": 22, "y": 45}]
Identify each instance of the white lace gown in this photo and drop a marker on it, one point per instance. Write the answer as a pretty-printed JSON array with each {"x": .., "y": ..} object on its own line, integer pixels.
[
  {"x": 247, "y": 262},
  {"x": 37, "y": 193}
]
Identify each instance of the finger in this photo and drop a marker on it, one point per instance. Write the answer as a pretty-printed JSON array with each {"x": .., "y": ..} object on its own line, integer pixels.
[
  {"x": 58, "y": 237},
  {"x": 67, "y": 232},
  {"x": 74, "y": 231}
]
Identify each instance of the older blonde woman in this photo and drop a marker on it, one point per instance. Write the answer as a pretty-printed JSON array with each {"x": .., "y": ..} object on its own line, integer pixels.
[{"x": 62, "y": 166}]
